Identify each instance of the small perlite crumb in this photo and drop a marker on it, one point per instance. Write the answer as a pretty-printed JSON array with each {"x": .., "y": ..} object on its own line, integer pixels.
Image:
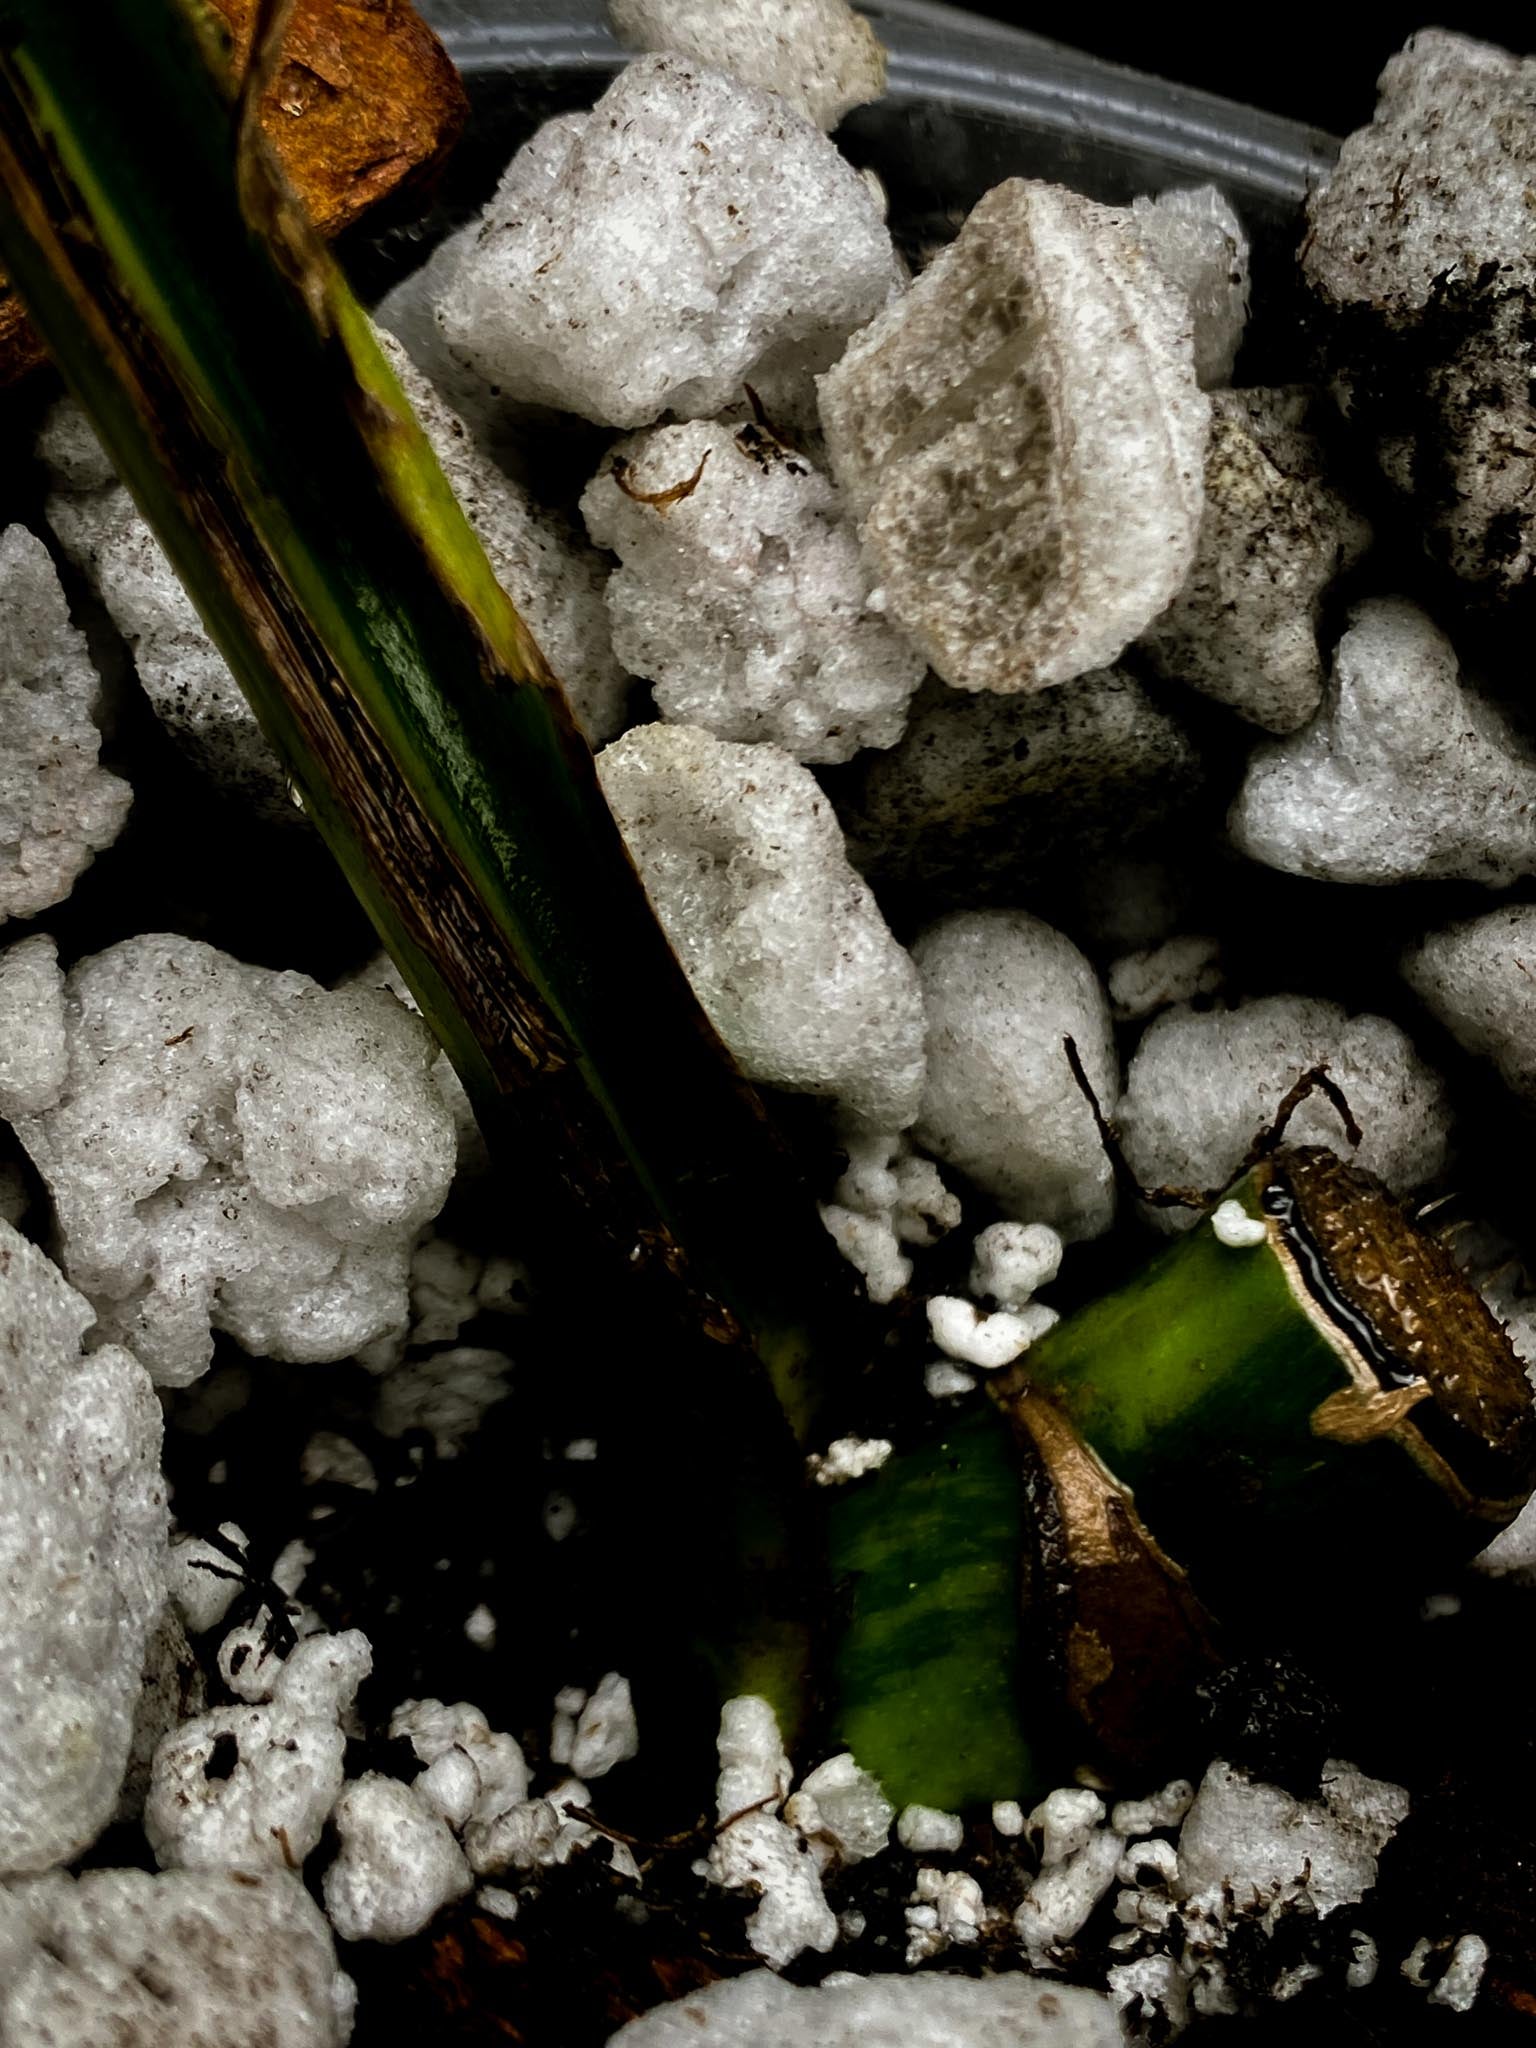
[
  {"x": 501, "y": 1905},
  {"x": 1364, "y": 1961},
  {"x": 754, "y": 1770},
  {"x": 1458, "y": 1984},
  {"x": 841, "y": 1806},
  {"x": 1065, "y": 1820},
  {"x": 581, "y": 1450},
  {"x": 887, "y": 1196},
  {"x": 926, "y": 1830},
  {"x": 1135, "y": 1818},
  {"x": 1061, "y": 1898},
  {"x": 947, "y": 1906},
  {"x": 1235, "y": 1227},
  {"x": 1011, "y": 1261},
  {"x": 963, "y": 1331},
  {"x": 1195, "y": 238},
  {"x": 846, "y": 1458},
  {"x": 943, "y": 1380},
  {"x": 480, "y": 1627},
  {"x": 1008, "y": 1817}
]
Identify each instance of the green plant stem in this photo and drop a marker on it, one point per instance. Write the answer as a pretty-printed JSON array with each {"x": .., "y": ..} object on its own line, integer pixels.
[{"x": 239, "y": 391}]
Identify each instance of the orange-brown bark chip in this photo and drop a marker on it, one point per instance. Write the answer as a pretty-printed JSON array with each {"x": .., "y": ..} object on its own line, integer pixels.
[{"x": 364, "y": 100}]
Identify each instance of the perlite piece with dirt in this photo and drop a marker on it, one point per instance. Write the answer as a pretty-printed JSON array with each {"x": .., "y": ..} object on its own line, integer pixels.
[
  {"x": 1201, "y": 1084},
  {"x": 741, "y": 593},
  {"x": 1419, "y": 255},
  {"x": 1274, "y": 536},
  {"x": 287, "y": 1145},
  {"x": 817, "y": 54},
  {"x": 685, "y": 238},
  {"x": 1021, "y": 437}
]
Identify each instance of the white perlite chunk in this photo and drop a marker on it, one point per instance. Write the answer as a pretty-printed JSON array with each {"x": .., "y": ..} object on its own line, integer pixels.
[
  {"x": 1142, "y": 983},
  {"x": 1059, "y": 1901},
  {"x": 178, "y": 1960},
  {"x": 1022, "y": 438},
  {"x": 927, "y": 2011},
  {"x": 1476, "y": 978},
  {"x": 1197, "y": 241},
  {"x": 606, "y": 1731},
  {"x": 1010, "y": 1261},
  {"x": 447, "y": 1737},
  {"x": 1236, "y": 1228},
  {"x": 886, "y": 1197},
  {"x": 784, "y": 944},
  {"x": 754, "y": 1770},
  {"x": 34, "y": 1054},
  {"x": 398, "y": 1865},
  {"x": 202, "y": 1579},
  {"x": 843, "y": 1806},
  {"x": 760, "y": 1854},
  {"x": 249, "y": 1788},
  {"x": 82, "y": 1573},
  {"x": 962, "y": 1331},
  {"x": 1003, "y": 991},
  {"x": 1065, "y": 1821},
  {"x": 1252, "y": 1838},
  {"x": 1458, "y": 1986},
  {"x": 928, "y": 1831},
  {"x": 817, "y": 54},
  {"x": 1204, "y": 1084},
  {"x": 1274, "y": 535},
  {"x": 1404, "y": 775},
  {"x": 237, "y": 1149},
  {"x": 742, "y": 595},
  {"x": 1419, "y": 249},
  {"x": 57, "y": 806},
  {"x": 847, "y": 1458},
  {"x": 664, "y": 251}
]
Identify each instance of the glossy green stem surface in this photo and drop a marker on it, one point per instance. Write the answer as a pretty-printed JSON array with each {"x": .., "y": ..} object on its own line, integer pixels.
[
  {"x": 926, "y": 1558},
  {"x": 1196, "y": 1382}
]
